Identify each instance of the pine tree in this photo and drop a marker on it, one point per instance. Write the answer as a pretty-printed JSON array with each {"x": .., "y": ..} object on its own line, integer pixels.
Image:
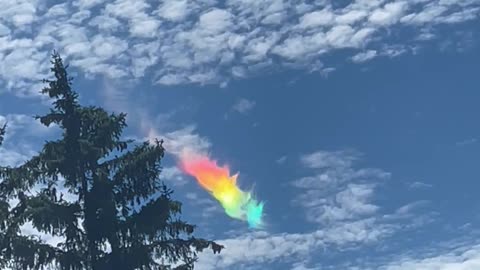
[
  {"x": 3, "y": 203},
  {"x": 2, "y": 133},
  {"x": 124, "y": 217}
]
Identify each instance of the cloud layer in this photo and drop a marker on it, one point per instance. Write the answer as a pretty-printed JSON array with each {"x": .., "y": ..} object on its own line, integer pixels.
[
  {"x": 337, "y": 199},
  {"x": 177, "y": 41}
]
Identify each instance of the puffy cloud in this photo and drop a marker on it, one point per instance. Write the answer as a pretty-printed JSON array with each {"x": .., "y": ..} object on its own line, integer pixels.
[
  {"x": 19, "y": 13},
  {"x": 313, "y": 19},
  {"x": 215, "y": 21},
  {"x": 84, "y": 4},
  {"x": 389, "y": 14},
  {"x": 174, "y": 10},
  {"x": 364, "y": 56},
  {"x": 202, "y": 42}
]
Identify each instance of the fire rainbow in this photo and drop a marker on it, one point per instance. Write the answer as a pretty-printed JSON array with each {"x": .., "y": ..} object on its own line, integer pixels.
[{"x": 217, "y": 181}]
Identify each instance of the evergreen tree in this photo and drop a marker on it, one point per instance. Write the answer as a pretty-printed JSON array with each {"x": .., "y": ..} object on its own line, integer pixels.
[
  {"x": 124, "y": 217},
  {"x": 3, "y": 204},
  {"x": 2, "y": 133}
]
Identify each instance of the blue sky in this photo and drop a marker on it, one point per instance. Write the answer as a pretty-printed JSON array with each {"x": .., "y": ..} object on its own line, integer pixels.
[{"x": 355, "y": 121}]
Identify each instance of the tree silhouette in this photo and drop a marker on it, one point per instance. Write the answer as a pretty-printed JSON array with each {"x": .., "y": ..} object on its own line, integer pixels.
[
  {"x": 2, "y": 133},
  {"x": 122, "y": 217}
]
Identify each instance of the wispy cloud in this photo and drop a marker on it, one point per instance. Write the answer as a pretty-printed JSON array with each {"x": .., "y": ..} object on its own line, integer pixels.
[
  {"x": 173, "y": 176},
  {"x": 457, "y": 256},
  {"x": 364, "y": 56},
  {"x": 409, "y": 208},
  {"x": 243, "y": 105},
  {"x": 179, "y": 139},
  {"x": 328, "y": 159},
  {"x": 337, "y": 191},
  {"x": 467, "y": 142},
  {"x": 420, "y": 185},
  {"x": 251, "y": 249},
  {"x": 281, "y": 160}
]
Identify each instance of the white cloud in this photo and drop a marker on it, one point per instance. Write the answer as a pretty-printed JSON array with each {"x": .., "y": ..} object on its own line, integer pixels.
[
  {"x": 296, "y": 46},
  {"x": 105, "y": 47},
  {"x": 273, "y": 19},
  {"x": 22, "y": 125},
  {"x": 28, "y": 229},
  {"x": 291, "y": 248},
  {"x": 15, "y": 157},
  {"x": 317, "y": 18},
  {"x": 19, "y": 13},
  {"x": 173, "y": 176},
  {"x": 351, "y": 16},
  {"x": 362, "y": 37},
  {"x": 201, "y": 42},
  {"x": 326, "y": 159},
  {"x": 408, "y": 208},
  {"x": 389, "y": 14},
  {"x": 349, "y": 203},
  {"x": 467, "y": 142},
  {"x": 105, "y": 23},
  {"x": 257, "y": 48},
  {"x": 22, "y": 62},
  {"x": 215, "y": 21},
  {"x": 466, "y": 257},
  {"x": 57, "y": 11},
  {"x": 338, "y": 193},
  {"x": 21, "y": 131},
  {"x": 144, "y": 28},
  {"x": 423, "y": 16},
  {"x": 126, "y": 9},
  {"x": 178, "y": 140},
  {"x": 243, "y": 105},
  {"x": 419, "y": 185},
  {"x": 340, "y": 36},
  {"x": 185, "y": 141},
  {"x": 84, "y": 4},
  {"x": 174, "y": 10},
  {"x": 4, "y": 30},
  {"x": 348, "y": 219},
  {"x": 364, "y": 56},
  {"x": 354, "y": 221},
  {"x": 281, "y": 160}
]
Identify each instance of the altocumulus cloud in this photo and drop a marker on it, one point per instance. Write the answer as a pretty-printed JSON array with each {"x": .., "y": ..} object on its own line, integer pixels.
[{"x": 202, "y": 42}]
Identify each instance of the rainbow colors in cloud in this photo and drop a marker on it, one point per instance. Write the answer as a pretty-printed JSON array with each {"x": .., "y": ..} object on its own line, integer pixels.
[{"x": 217, "y": 180}]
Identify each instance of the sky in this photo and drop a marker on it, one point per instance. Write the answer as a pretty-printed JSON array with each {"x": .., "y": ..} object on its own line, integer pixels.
[{"x": 355, "y": 121}]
